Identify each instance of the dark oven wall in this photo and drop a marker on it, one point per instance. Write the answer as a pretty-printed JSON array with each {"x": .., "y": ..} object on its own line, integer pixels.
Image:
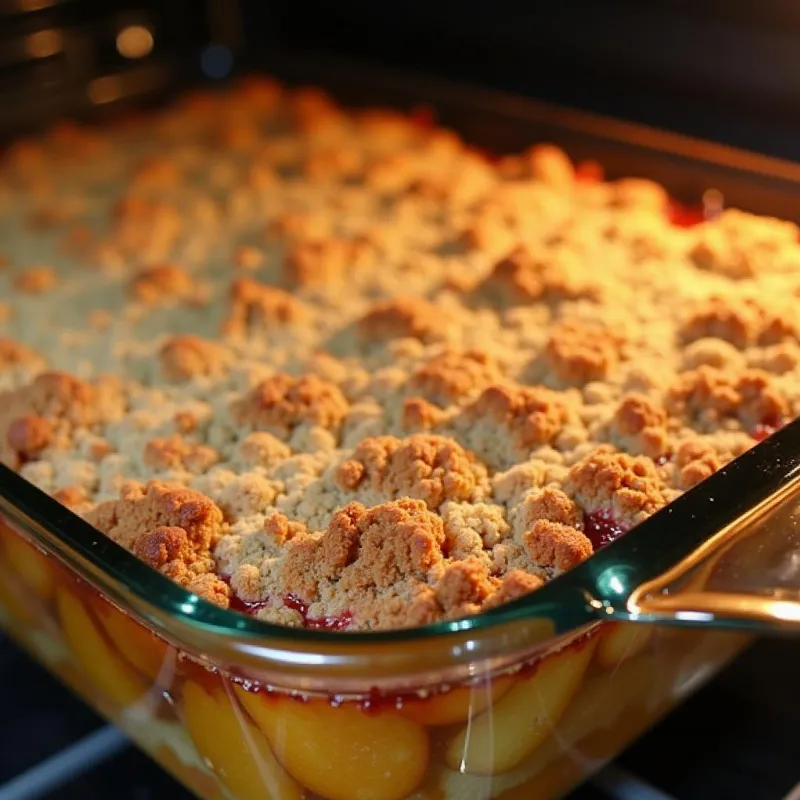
[{"x": 726, "y": 71}]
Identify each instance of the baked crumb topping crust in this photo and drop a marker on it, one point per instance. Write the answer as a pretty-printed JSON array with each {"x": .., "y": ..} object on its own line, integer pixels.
[{"x": 335, "y": 369}]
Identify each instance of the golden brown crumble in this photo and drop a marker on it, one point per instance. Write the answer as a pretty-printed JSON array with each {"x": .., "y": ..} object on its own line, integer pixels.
[
  {"x": 490, "y": 232},
  {"x": 281, "y": 529},
  {"x": 448, "y": 368},
  {"x": 171, "y": 528},
  {"x": 46, "y": 412},
  {"x": 742, "y": 321},
  {"x": 146, "y": 226},
  {"x": 696, "y": 460},
  {"x": 185, "y": 422},
  {"x": 310, "y": 107},
  {"x": 639, "y": 426},
  {"x": 463, "y": 588},
  {"x": 452, "y": 375},
  {"x": 549, "y": 504},
  {"x": 430, "y": 468},
  {"x": 335, "y": 162},
  {"x": 28, "y": 436},
  {"x": 155, "y": 173},
  {"x": 74, "y": 498},
  {"x": 532, "y": 414},
  {"x": 257, "y": 305},
  {"x": 516, "y": 583},
  {"x": 404, "y": 317},
  {"x": 639, "y": 193},
  {"x": 16, "y": 354},
  {"x": 322, "y": 261},
  {"x": 185, "y": 357},
  {"x": 36, "y": 280},
  {"x": 141, "y": 509},
  {"x": 368, "y": 552},
  {"x": 739, "y": 245},
  {"x": 550, "y": 164},
  {"x": 779, "y": 358},
  {"x": 300, "y": 226},
  {"x": 626, "y": 486},
  {"x": 248, "y": 257},
  {"x": 163, "y": 283},
  {"x": 578, "y": 353},
  {"x": 174, "y": 452},
  {"x": 521, "y": 278},
  {"x": 283, "y": 402},
  {"x": 262, "y": 449},
  {"x": 420, "y": 415},
  {"x": 698, "y": 470},
  {"x": 555, "y": 545},
  {"x": 707, "y": 396}
]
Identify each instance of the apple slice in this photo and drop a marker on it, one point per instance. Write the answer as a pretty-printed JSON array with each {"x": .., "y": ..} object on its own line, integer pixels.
[
  {"x": 620, "y": 641},
  {"x": 456, "y": 705},
  {"x": 116, "y": 680},
  {"x": 145, "y": 651},
  {"x": 522, "y": 719},
  {"x": 235, "y": 748},
  {"x": 34, "y": 569},
  {"x": 342, "y": 752}
]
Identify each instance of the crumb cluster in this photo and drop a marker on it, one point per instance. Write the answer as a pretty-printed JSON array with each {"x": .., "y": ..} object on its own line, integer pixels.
[{"x": 338, "y": 369}]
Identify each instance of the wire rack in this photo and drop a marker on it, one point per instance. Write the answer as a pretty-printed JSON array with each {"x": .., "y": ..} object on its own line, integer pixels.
[{"x": 737, "y": 739}]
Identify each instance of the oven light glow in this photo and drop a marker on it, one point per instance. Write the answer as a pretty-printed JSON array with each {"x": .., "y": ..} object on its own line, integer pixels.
[
  {"x": 134, "y": 41},
  {"x": 44, "y": 44},
  {"x": 785, "y": 610}
]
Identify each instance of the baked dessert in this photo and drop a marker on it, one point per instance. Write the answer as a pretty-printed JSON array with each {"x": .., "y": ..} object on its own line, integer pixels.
[{"x": 336, "y": 369}]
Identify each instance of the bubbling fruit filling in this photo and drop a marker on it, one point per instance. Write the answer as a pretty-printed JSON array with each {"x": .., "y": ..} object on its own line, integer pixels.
[
  {"x": 686, "y": 216},
  {"x": 332, "y": 623},
  {"x": 602, "y": 529},
  {"x": 341, "y": 370},
  {"x": 767, "y": 427}
]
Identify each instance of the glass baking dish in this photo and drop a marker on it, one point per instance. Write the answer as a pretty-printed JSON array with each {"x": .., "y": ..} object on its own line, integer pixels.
[{"x": 520, "y": 702}]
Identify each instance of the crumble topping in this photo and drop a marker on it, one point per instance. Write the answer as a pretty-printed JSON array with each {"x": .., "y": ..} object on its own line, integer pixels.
[
  {"x": 283, "y": 402},
  {"x": 46, "y": 412},
  {"x": 320, "y": 261},
  {"x": 404, "y": 317},
  {"x": 163, "y": 283},
  {"x": 452, "y": 376},
  {"x": 36, "y": 280},
  {"x": 171, "y": 528},
  {"x": 577, "y": 353},
  {"x": 741, "y": 321},
  {"x": 431, "y": 468},
  {"x": 340, "y": 367},
  {"x": 174, "y": 452},
  {"x": 254, "y": 305},
  {"x": 639, "y": 426},
  {"x": 708, "y": 396},
  {"x": 182, "y": 358},
  {"x": 739, "y": 245},
  {"x": 551, "y": 544},
  {"x": 14, "y": 354},
  {"x": 505, "y": 423},
  {"x": 626, "y": 486},
  {"x": 522, "y": 278}
]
